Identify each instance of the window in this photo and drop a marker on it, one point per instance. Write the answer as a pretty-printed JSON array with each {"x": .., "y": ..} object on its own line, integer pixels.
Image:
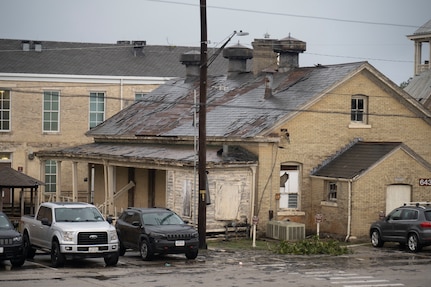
[
  {"x": 51, "y": 111},
  {"x": 332, "y": 191},
  {"x": 139, "y": 96},
  {"x": 50, "y": 176},
  {"x": 4, "y": 110},
  {"x": 289, "y": 187},
  {"x": 97, "y": 108},
  {"x": 358, "y": 110}
]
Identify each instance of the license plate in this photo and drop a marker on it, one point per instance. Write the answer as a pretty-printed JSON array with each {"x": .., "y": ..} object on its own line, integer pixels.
[
  {"x": 1, "y": 250},
  {"x": 180, "y": 243},
  {"x": 93, "y": 249}
]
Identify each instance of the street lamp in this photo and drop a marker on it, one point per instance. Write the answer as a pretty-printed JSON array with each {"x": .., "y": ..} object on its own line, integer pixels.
[{"x": 205, "y": 62}]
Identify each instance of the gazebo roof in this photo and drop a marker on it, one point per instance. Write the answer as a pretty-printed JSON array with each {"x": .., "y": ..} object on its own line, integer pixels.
[{"x": 12, "y": 178}]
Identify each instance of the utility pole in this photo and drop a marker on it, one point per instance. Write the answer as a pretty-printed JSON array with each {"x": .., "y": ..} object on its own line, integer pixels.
[{"x": 202, "y": 208}]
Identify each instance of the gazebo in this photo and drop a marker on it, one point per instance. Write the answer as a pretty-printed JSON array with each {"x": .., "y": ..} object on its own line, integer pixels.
[{"x": 12, "y": 179}]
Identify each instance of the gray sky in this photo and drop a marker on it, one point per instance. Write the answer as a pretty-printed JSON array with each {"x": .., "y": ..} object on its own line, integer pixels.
[{"x": 336, "y": 31}]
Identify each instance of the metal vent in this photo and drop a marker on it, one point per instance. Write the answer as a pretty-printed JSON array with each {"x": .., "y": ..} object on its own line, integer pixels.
[{"x": 285, "y": 230}]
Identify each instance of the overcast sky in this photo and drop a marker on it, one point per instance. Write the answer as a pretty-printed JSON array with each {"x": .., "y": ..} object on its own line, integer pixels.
[{"x": 336, "y": 31}]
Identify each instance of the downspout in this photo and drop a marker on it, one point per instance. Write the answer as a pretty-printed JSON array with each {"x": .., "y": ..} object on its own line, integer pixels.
[
  {"x": 349, "y": 211},
  {"x": 252, "y": 195}
]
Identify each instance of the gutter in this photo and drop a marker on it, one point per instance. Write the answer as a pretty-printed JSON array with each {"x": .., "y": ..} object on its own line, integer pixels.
[{"x": 349, "y": 211}]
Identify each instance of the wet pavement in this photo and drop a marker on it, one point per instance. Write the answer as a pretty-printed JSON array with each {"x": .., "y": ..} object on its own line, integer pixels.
[{"x": 223, "y": 267}]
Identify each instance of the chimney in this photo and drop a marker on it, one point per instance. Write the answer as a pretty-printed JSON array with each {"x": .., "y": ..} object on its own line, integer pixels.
[
  {"x": 289, "y": 49},
  {"x": 138, "y": 47},
  {"x": 269, "y": 79},
  {"x": 37, "y": 46},
  {"x": 238, "y": 56},
  {"x": 192, "y": 61},
  {"x": 25, "y": 45},
  {"x": 264, "y": 56}
]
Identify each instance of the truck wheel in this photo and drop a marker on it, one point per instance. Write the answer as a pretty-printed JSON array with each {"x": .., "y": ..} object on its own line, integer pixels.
[
  {"x": 111, "y": 259},
  {"x": 29, "y": 252},
  {"x": 192, "y": 254},
  {"x": 146, "y": 250},
  {"x": 57, "y": 258}
]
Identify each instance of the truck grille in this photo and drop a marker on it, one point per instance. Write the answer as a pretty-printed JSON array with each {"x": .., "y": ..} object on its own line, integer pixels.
[
  {"x": 179, "y": 236},
  {"x": 92, "y": 238}
]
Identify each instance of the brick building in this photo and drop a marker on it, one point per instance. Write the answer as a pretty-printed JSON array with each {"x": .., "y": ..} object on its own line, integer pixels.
[{"x": 283, "y": 142}]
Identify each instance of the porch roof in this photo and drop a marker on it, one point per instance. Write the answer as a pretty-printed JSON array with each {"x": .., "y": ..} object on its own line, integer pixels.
[
  {"x": 155, "y": 154},
  {"x": 12, "y": 178}
]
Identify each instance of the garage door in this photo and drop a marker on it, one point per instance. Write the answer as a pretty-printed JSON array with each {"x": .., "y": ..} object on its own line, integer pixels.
[{"x": 397, "y": 195}]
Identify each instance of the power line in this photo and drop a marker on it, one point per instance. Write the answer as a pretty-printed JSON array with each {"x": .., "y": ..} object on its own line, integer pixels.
[{"x": 290, "y": 15}]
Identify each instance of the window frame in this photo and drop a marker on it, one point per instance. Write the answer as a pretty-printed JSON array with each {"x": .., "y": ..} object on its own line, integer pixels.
[
  {"x": 50, "y": 176},
  {"x": 293, "y": 196},
  {"x": 95, "y": 100},
  {"x": 357, "y": 111},
  {"x": 7, "y": 110},
  {"x": 51, "y": 111},
  {"x": 139, "y": 96},
  {"x": 331, "y": 192}
]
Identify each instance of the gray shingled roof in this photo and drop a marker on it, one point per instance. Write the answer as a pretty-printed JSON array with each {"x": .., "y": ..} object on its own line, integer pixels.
[
  {"x": 355, "y": 160},
  {"x": 12, "y": 178},
  {"x": 69, "y": 58},
  {"x": 236, "y": 106},
  {"x": 424, "y": 29}
]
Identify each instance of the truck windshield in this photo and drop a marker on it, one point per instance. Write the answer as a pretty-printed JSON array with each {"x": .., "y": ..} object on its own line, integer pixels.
[{"x": 86, "y": 214}]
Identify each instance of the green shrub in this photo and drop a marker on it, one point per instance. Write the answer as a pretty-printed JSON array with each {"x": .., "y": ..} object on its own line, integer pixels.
[{"x": 311, "y": 246}]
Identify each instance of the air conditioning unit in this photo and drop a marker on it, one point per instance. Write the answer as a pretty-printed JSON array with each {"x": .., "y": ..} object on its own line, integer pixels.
[{"x": 285, "y": 230}]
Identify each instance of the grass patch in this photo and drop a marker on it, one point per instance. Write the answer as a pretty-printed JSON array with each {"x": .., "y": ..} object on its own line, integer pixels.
[
  {"x": 312, "y": 246},
  {"x": 242, "y": 244}
]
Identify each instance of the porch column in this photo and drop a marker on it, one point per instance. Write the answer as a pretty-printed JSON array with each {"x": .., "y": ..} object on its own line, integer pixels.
[
  {"x": 111, "y": 189},
  {"x": 75, "y": 181},
  {"x": 58, "y": 182},
  {"x": 418, "y": 56}
]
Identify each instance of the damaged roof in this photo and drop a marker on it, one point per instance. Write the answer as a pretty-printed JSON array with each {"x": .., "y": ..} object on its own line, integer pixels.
[
  {"x": 74, "y": 58},
  {"x": 358, "y": 158},
  {"x": 158, "y": 154},
  {"x": 237, "y": 107}
]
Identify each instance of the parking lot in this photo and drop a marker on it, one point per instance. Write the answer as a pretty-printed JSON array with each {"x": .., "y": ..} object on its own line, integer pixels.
[{"x": 218, "y": 267}]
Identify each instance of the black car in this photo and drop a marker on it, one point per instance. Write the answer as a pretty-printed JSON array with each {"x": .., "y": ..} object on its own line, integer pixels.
[
  {"x": 156, "y": 231},
  {"x": 11, "y": 244},
  {"x": 409, "y": 225}
]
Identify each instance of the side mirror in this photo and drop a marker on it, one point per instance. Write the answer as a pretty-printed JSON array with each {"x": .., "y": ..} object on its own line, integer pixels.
[
  {"x": 45, "y": 221},
  {"x": 109, "y": 219}
]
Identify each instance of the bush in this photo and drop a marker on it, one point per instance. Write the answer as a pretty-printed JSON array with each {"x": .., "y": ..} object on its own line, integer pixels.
[{"x": 312, "y": 246}]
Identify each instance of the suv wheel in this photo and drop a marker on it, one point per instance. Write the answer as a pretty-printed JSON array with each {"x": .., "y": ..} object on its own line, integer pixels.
[
  {"x": 413, "y": 243},
  {"x": 145, "y": 250},
  {"x": 192, "y": 254},
  {"x": 122, "y": 250},
  {"x": 376, "y": 239}
]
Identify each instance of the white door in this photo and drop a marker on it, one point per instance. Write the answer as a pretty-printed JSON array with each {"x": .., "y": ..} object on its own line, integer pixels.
[{"x": 397, "y": 195}]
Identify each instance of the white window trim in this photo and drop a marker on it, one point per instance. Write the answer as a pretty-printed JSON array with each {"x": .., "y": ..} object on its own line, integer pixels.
[
  {"x": 43, "y": 112},
  {"x": 89, "y": 107},
  {"x": 364, "y": 122},
  {"x": 10, "y": 112}
]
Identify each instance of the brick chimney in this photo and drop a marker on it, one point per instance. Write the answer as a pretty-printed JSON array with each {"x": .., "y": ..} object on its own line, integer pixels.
[
  {"x": 264, "y": 56},
  {"x": 191, "y": 60},
  {"x": 237, "y": 56},
  {"x": 289, "y": 49}
]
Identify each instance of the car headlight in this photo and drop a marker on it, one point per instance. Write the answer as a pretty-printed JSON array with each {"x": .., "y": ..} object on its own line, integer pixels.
[
  {"x": 113, "y": 235},
  {"x": 68, "y": 236},
  {"x": 17, "y": 239},
  {"x": 195, "y": 235},
  {"x": 157, "y": 235}
]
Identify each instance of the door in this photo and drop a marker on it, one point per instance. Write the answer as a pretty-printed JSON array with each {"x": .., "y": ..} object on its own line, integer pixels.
[{"x": 396, "y": 196}]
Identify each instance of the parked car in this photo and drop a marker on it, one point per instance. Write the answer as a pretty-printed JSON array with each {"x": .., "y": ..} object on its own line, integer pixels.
[
  {"x": 11, "y": 243},
  {"x": 156, "y": 231},
  {"x": 409, "y": 225}
]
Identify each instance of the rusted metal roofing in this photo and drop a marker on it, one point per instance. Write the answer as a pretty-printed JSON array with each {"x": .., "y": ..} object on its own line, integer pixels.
[
  {"x": 12, "y": 178},
  {"x": 420, "y": 87},
  {"x": 355, "y": 160},
  {"x": 175, "y": 154},
  {"x": 236, "y": 105},
  {"x": 424, "y": 29}
]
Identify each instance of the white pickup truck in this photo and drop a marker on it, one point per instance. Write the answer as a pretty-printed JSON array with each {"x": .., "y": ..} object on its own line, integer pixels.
[{"x": 70, "y": 230}]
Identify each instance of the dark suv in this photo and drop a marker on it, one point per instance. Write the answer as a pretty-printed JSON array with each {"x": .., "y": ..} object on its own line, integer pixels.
[
  {"x": 409, "y": 225},
  {"x": 156, "y": 231},
  {"x": 11, "y": 244}
]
